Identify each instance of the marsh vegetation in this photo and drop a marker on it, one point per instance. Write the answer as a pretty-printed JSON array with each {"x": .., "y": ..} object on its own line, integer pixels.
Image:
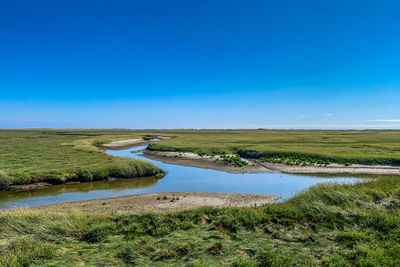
[
  {"x": 56, "y": 157},
  {"x": 59, "y": 156},
  {"x": 325, "y": 225},
  {"x": 328, "y": 225},
  {"x": 297, "y": 147}
]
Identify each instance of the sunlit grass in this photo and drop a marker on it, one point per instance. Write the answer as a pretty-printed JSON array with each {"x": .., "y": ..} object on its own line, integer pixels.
[
  {"x": 290, "y": 146},
  {"x": 329, "y": 224},
  {"x": 58, "y": 156}
]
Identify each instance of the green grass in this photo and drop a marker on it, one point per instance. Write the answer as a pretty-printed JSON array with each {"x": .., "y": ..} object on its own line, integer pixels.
[
  {"x": 290, "y": 146},
  {"x": 58, "y": 156},
  {"x": 327, "y": 225},
  {"x": 235, "y": 160}
]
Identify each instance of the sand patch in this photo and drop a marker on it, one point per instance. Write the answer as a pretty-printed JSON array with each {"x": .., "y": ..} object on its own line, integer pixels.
[
  {"x": 125, "y": 144},
  {"x": 162, "y": 202}
]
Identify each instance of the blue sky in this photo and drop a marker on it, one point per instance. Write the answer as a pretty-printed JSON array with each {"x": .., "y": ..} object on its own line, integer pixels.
[{"x": 199, "y": 64}]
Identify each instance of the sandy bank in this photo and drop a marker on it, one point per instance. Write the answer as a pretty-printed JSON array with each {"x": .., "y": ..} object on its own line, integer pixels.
[
  {"x": 207, "y": 162},
  {"x": 125, "y": 144},
  {"x": 333, "y": 169},
  {"x": 156, "y": 202},
  {"x": 257, "y": 166}
]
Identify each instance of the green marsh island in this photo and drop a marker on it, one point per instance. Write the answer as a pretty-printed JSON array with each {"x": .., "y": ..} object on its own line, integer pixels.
[{"x": 328, "y": 224}]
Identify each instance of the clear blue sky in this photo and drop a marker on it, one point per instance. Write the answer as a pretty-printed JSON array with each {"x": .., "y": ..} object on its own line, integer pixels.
[{"x": 199, "y": 64}]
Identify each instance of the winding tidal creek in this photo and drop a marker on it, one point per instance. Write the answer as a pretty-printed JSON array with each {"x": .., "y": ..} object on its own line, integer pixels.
[{"x": 178, "y": 178}]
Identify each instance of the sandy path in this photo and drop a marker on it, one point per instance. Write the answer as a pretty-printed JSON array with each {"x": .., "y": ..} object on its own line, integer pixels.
[
  {"x": 151, "y": 202},
  {"x": 125, "y": 144}
]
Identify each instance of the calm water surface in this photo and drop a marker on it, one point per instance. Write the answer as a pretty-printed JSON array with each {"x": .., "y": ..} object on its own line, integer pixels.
[{"x": 179, "y": 178}]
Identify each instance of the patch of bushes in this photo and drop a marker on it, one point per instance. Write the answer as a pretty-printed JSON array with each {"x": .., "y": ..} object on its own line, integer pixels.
[
  {"x": 211, "y": 154},
  {"x": 202, "y": 154},
  {"x": 235, "y": 160},
  {"x": 351, "y": 239},
  {"x": 99, "y": 143},
  {"x": 293, "y": 158},
  {"x": 335, "y": 261},
  {"x": 149, "y": 137},
  {"x": 217, "y": 248}
]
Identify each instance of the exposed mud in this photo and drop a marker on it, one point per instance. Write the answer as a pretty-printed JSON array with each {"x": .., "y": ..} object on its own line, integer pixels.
[{"x": 162, "y": 202}]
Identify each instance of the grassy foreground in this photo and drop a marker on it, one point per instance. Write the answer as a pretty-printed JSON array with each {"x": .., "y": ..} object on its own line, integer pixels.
[
  {"x": 290, "y": 146},
  {"x": 328, "y": 225},
  {"x": 58, "y": 156}
]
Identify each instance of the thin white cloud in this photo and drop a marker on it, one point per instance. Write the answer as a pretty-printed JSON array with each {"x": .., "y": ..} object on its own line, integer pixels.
[
  {"x": 302, "y": 117},
  {"x": 329, "y": 114},
  {"x": 385, "y": 120},
  {"x": 335, "y": 126}
]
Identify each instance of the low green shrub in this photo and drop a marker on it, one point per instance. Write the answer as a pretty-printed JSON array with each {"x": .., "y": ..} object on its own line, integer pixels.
[
  {"x": 308, "y": 158},
  {"x": 99, "y": 232},
  {"x": 351, "y": 239},
  {"x": 335, "y": 261},
  {"x": 272, "y": 258},
  {"x": 217, "y": 248},
  {"x": 235, "y": 160},
  {"x": 149, "y": 137}
]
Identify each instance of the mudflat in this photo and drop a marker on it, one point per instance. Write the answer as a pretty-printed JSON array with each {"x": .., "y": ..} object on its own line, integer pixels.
[
  {"x": 162, "y": 202},
  {"x": 257, "y": 166}
]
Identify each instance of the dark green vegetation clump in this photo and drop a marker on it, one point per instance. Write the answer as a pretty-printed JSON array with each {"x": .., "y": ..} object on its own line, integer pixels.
[
  {"x": 295, "y": 147},
  {"x": 327, "y": 225},
  {"x": 235, "y": 160},
  {"x": 59, "y": 156},
  {"x": 225, "y": 158}
]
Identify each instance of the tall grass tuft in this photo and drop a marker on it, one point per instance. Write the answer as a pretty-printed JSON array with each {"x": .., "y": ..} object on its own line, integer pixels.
[{"x": 329, "y": 225}]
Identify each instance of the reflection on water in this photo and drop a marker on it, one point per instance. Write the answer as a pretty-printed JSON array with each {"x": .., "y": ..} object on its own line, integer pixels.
[
  {"x": 74, "y": 192},
  {"x": 178, "y": 178}
]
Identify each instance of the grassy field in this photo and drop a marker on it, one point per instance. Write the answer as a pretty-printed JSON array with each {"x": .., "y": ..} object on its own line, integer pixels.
[
  {"x": 328, "y": 225},
  {"x": 57, "y": 156},
  {"x": 290, "y": 146}
]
